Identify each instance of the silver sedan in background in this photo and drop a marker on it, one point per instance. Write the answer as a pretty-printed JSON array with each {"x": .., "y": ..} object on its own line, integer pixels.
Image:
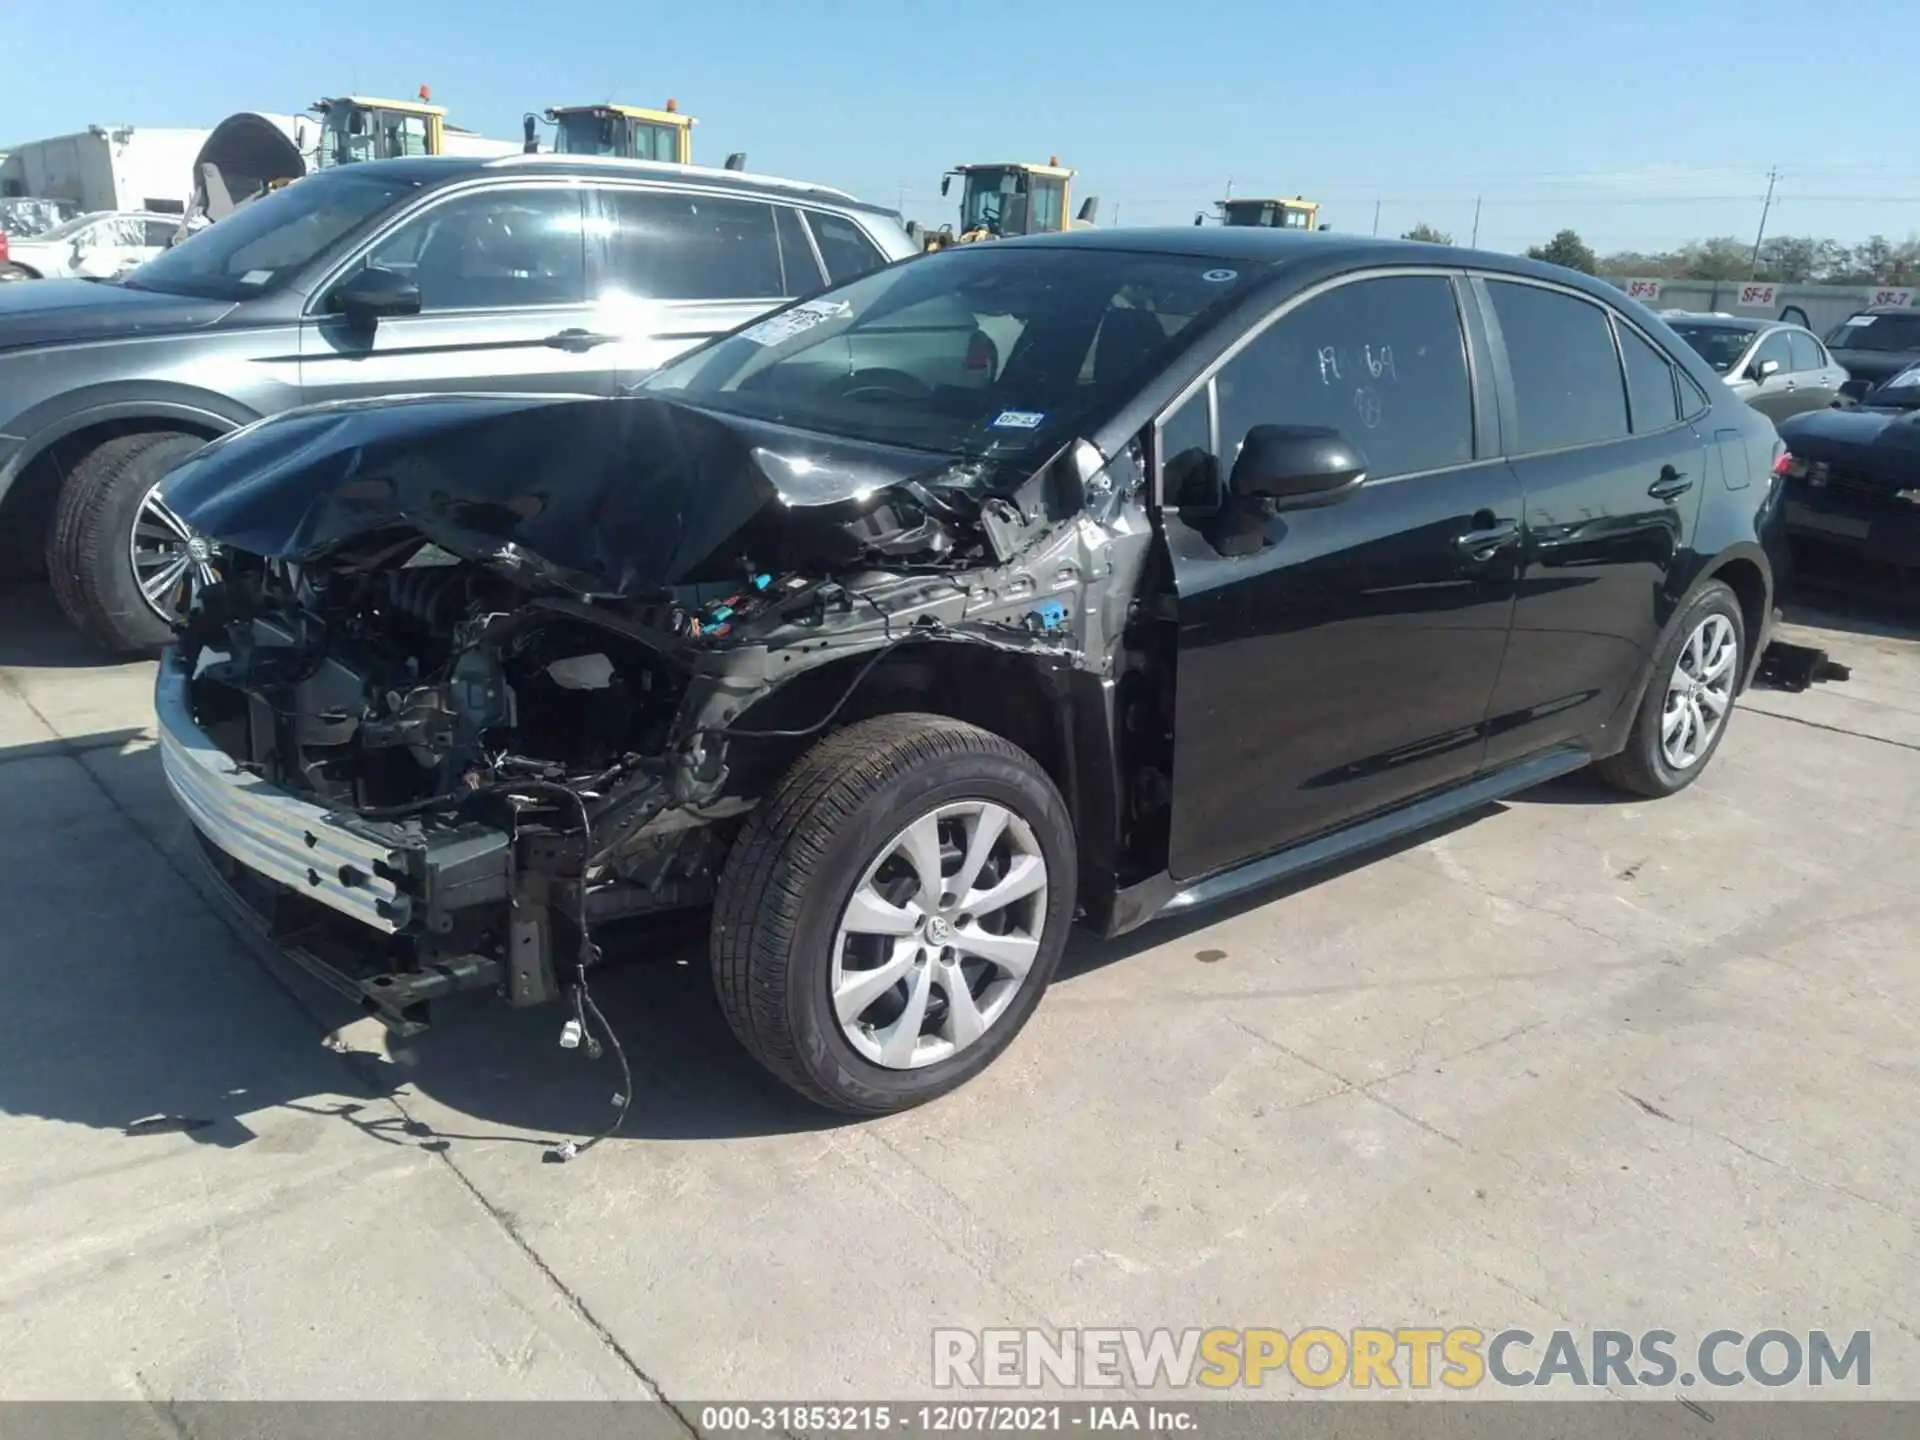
[{"x": 1778, "y": 368}]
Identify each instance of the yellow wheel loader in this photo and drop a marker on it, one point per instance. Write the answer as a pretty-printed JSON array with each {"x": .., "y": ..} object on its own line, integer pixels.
[{"x": 1008, "y": 199}]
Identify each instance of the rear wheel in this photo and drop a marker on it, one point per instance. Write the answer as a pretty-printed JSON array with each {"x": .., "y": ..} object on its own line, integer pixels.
[
  {"x": 16, "y": 272},
  {"x": 122, "y": 565},
  {"x": 1683, "y": 717},
  {"x": 890, "y": 916}
]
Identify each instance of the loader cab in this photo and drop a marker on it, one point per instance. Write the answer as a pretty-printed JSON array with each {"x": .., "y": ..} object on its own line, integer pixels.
[
  {"x": 1271, "y": 214},
  {"x": 356, "y": 127},
  {"x": 625, "y": 131},
  {"x": 1013, "y": 199}
]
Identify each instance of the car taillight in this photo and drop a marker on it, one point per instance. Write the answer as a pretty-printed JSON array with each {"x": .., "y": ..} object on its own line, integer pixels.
[
  {"x": 1782, "y": 458},
  {"x": 3, "y": 247}
]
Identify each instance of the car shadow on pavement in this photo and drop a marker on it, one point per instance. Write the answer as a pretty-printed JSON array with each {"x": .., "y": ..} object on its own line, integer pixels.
[
  {"x": 35, "y": 635},
  {"x": 1852, "y": 612}
]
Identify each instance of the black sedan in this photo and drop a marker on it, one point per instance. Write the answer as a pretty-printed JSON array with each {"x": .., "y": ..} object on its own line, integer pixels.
[{"x": 1853, "y": 482}]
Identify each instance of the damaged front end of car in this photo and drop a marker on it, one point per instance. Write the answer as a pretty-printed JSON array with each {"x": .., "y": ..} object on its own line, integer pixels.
[{"x": 482, "y": 675}]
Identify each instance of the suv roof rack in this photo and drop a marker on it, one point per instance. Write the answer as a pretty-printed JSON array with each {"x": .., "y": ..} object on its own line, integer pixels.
[{"x": 666, "y": 168}]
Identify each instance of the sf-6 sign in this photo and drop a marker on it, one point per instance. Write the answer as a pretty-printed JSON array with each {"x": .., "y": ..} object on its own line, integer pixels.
[{"x": 1756, "y": 297}]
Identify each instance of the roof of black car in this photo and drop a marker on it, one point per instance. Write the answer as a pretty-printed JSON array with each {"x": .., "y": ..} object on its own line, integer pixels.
[{"x": 1253, "y": 242}]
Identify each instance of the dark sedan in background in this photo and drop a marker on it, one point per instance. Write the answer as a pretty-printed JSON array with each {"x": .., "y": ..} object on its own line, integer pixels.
[
  {"x": 1875, "y": 345},
  {"x": 1777, "y": 368},
  {"x": 1853, "y": 482}
]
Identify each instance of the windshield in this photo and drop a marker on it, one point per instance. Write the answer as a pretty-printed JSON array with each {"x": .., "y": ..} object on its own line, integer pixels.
[
  {"x": 1721, "y": 346},
  {"x": 992, "y": 201},
  {"x": 992, "y": 353},
  {"x": 1876, "y": 332},
  {"x": 260, "y": 246}
]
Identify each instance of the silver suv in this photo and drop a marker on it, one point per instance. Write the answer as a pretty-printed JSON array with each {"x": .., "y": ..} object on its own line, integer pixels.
[{"x": 532, "y": 273}]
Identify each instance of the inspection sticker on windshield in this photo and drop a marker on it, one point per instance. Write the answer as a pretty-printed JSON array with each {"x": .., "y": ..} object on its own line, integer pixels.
[
  {"x": 256, "y": 277},
  {"x": 1220, "y": 276},
  {"x": 1019, "y": 419},
  {"x": 1860, "y": 320},
  {"x": 796, "y": 321}
]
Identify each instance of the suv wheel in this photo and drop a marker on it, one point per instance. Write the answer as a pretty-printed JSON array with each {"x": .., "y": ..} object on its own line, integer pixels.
[
  {"x": 891, "y": 913},
  {"x": 1684, "y": 715},
  {"x": 122, "y": 565}
]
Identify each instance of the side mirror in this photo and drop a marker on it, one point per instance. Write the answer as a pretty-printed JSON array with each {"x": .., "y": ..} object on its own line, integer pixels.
[
  {"x": 1764, "y": 368},
  {"x": 371, "y": 294},
  {"x": 946, "y": 183},
  {"x": 1297, "y": 466},
  {"x": 1090, "y": 211}
]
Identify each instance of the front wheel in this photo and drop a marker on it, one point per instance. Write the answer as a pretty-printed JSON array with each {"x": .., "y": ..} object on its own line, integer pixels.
[
  {"x": 123, "y": 565},
  {"x": 1689, "y": 700},
  {"x": 892, "y": 912},
  {"x": 16, "y": 272}
]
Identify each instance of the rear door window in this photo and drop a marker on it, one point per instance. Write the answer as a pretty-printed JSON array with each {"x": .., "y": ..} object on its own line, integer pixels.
[
  {"x": 1649, "y": 383},
  {"x": 1567, "y": 382},
  {"x": 844, "y": 246},
  {"x": 1807, "y": 354},
  {"x": 672, "y": 246}
]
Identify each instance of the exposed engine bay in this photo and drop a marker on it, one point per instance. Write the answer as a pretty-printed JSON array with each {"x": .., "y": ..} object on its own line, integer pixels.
[{"x": 529, "y": 756}]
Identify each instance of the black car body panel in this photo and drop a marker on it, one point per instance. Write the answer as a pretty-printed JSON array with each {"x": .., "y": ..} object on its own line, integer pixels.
[{"x": 1854, "y": 484}]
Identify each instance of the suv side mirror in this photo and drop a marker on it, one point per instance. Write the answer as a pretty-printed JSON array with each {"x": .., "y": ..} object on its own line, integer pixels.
[
  {"x": 1295, "y": 466},
  {"x": 368, "y": 295},
  {"x": 1763, "y": 368}
]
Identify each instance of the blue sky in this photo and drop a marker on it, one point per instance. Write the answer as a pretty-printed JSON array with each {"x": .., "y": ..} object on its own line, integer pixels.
[{"x": 1642, "y": 126}]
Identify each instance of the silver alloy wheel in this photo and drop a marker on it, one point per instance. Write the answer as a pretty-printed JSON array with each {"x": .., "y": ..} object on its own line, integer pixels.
[
  {"x": 938, "y": 936},
  {"x": 168, "y": 557},
  {"x": 1699, "y": 692}
]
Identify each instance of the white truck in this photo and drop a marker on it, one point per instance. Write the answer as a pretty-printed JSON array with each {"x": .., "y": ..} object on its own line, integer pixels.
[{"x": 107, "y": 167}]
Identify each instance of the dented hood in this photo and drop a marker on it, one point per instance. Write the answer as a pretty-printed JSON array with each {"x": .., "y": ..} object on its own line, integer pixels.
[{"x": 610, "y": 497}]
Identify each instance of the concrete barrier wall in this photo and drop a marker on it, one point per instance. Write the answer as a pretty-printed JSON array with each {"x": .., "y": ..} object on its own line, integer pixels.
[{"x": 1822, "y": 306}]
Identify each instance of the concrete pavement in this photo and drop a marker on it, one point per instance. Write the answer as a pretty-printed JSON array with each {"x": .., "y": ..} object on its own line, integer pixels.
[{"x": 1575, "y": 1063}]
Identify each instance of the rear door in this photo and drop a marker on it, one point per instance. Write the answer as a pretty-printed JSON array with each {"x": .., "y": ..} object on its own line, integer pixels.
[
  {"x": 1612, "y": 475},
  {"x": 1819, "y": 378},
  {"x": 684, "y": 266},
  {"x": 502, "y": 276},
  {"x": 1338, "y": 660}
]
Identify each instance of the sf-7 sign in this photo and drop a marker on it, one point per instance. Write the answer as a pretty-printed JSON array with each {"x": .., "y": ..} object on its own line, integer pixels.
[{"x": 1903, "y": 297}]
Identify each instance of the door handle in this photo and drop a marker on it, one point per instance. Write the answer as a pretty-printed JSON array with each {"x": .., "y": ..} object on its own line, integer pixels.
[
  {"x": 1672, "y": 482},
  {"x": 1488, "y": 541},
  {"x": 576, "y": 341}
]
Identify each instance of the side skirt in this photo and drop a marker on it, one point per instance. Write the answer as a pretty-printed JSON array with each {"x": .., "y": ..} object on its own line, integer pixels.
[{"x": 1164, "y": 896}]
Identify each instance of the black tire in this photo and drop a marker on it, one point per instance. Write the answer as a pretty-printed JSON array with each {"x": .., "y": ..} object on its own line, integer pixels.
[
  {"x": 795, "y": 866},
  {"x": 87, "y": 552},
  {"x": 16, "y": 272},
  {"x": 1642, "y": 767}
]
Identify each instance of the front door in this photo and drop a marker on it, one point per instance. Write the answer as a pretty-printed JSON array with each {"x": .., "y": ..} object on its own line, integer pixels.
[
  {"x": 1335, "y": 661},
  {"x": 1613, "y": 472},
  {"x": 502, "y": 277}
]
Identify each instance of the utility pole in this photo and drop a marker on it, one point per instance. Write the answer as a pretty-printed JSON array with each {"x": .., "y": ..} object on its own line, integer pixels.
[
  {"x": 1474, "y": 243},
  {"x": 1376, "y": 217},
  {"x": 1116, "y": 214},
  {"x": 1753, "y": 263}
]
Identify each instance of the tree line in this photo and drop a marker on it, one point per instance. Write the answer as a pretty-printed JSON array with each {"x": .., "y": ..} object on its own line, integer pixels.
[{"x": 1784, "y": 259}]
